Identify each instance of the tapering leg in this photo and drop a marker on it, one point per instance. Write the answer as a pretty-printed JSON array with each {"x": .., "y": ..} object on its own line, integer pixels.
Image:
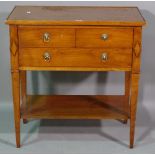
[
  {"x": 127, "y": 89},
  {"x": 127, "y": 84},
  {"x": 16, "y": 102},
  {"x": 127, "y": 92},
  {"x": 23, "y": 89},
  {"x": 133, "y": 106}
]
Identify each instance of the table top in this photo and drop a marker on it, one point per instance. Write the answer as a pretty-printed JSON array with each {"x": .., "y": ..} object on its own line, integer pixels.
[{"x": 75, "y": 15}]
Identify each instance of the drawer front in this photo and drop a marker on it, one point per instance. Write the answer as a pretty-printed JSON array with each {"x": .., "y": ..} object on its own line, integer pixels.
[
  {"x": 104, "y": 37},
  {"x": 46, "y": 37},
  {"x": 74, "y": 57}
]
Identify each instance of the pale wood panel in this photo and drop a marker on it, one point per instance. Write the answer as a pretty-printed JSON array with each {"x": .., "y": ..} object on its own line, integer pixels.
[
  {"x": 117, "y": 58},
  {"x": 54, "y": 15}
]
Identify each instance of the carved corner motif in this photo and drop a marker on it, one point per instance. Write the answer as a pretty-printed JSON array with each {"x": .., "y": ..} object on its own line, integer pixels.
[
  {"x": 137, "y": 49},
  {"x": 13, "y": 48}
]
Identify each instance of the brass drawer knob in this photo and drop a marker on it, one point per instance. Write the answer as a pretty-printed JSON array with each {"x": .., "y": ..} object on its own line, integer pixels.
[
  {"x": 104, "y": 36},
  {"x": 46, "y": 37},
  {"x": 104, "y": 56},
  {"x": 47, "y": 56}
]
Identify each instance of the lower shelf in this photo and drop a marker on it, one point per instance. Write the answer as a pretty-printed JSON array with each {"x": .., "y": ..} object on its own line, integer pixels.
[{"x": 75, "y": 107}]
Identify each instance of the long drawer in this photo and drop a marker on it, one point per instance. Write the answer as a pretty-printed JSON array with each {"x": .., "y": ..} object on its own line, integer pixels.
[{"x": 75, "y": 57}]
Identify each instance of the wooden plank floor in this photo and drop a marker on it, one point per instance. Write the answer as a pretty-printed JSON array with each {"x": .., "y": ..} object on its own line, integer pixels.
[{"x": 75, "y": 107}]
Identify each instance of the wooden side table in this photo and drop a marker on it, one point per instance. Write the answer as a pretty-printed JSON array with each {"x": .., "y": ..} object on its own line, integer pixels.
[{"x": 75, "y": 39}]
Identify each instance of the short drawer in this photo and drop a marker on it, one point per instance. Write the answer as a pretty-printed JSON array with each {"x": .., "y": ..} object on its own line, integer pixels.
[
  {"x": 46, "y": 37},
  {"x": 74, "y": 57},
  {"x": 104, "y": 37}
]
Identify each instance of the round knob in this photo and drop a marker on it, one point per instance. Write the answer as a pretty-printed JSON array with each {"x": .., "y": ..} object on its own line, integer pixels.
[
  {"x": 47, "y": 56},
  {"x": 104, "y": 37},
  {"x": 46, "y": 37},
  {"x": 104, "y": 56}
]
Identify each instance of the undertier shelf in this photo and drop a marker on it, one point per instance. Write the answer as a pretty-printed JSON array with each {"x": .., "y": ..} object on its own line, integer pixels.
[{"x": 75, "y": 107}]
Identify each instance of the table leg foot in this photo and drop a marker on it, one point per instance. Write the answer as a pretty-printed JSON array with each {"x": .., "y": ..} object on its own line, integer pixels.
[
  {"x": 16, "y": 103},
  {"x": 133, "y": 106},
  {"x": 25, "y": 121}
]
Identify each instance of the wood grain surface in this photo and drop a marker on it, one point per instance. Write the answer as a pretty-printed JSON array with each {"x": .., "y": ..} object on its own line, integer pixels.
[
  {"x": 34, "y": 37},
  {"x": 73, "y": 15},
  {"x": 75, "y": 57},
  {"x": 76, "y": 107},
  {"x": 117, "y": 37}
]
